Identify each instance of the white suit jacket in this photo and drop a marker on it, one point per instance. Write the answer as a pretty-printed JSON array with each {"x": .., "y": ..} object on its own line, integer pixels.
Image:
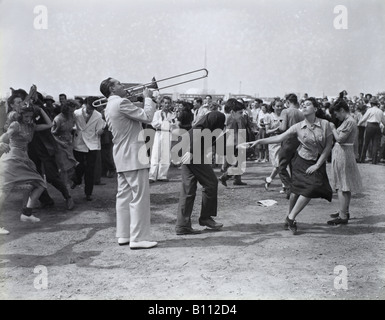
[
  {"x": 125, "y": 120},
  {"x": 86, "y": 137}
]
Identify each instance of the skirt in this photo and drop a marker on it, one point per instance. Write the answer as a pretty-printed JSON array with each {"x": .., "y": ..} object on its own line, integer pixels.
[
  {"x": 314, "y": 185},
  {"x": 17, "y": 169},
  {"x": 274, "y": 154},
  {"x": 345, "y": 174},
  {"x": 65, "y": 157}
]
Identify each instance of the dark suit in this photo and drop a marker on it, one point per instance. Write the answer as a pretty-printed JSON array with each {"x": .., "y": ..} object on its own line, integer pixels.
[
  {"x": 41, "y": 151},
  {"x": 199, "y": 172}
]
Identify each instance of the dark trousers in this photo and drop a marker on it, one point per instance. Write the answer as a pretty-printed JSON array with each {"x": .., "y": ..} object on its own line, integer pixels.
[
  {"x": 46, "y": 164},
  {"x": 108, "y": 163},
  {"x": 191, "y": 174},
  {"x": 85, "y": 167},
  {"x": 98, "y": 167},
  {"x": 372, "y": 134},
  {"x": 361, "y": 135},
  {"x": 286, "y": 154}
]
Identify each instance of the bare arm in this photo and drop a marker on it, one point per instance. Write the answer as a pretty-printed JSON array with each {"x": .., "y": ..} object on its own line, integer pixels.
[
  {"x": 48, "y": 125},
  {"x": 275, "y": 139}
]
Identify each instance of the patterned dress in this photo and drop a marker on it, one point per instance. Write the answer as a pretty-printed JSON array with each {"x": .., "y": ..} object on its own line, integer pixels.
[
  {"x": 345, "y": 174},
  {"x": 272, "y": 121},
  {"x": 62, "y": 132},
  {"x": 16, "y": 168}
]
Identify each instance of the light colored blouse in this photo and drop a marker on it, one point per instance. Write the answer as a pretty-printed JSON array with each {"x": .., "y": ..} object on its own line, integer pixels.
[
  {"x": 373, "y": 115},
  {"x": 312, "y": 138}
]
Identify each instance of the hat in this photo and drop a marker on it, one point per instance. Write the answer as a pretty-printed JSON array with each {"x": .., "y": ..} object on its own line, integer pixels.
[{"x": 49, "y": 98}]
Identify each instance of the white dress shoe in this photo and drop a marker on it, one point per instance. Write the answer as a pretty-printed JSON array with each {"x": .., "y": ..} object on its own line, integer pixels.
[
  {"x": 143, "y": 245},
  {"x": 3, "y": 231},
  {"x": 123, "y": 241},
  {"x": 31, "y": 218}
]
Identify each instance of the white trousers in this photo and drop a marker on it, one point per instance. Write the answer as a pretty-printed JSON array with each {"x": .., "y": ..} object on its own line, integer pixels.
[
  {"x": 160, "y": 156},
  {"x": 133, "y": 206}
]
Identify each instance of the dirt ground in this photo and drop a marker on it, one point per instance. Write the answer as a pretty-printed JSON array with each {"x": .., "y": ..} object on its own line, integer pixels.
[{"x": 252, "y": 257}]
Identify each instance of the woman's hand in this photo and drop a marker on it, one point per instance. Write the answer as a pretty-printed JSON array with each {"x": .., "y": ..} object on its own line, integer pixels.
[
  {"x": 4, "y": 148},
  {"x": 312, "y": 169},
  {"x": 253, "y": 143}
]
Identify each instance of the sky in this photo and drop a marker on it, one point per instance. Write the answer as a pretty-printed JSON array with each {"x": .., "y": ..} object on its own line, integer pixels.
[{"x": 256, "y": 47}]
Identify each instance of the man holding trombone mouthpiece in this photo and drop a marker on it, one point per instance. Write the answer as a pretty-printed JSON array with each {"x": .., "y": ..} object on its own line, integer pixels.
[{"x": 125, "y": 120}]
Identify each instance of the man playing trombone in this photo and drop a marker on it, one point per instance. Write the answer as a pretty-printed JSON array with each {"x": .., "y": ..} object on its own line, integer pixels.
[{"x": 125, "y": 120}]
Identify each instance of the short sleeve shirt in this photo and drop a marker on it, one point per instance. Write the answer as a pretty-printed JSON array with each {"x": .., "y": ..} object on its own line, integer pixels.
[{"x": 313, "y": 138}]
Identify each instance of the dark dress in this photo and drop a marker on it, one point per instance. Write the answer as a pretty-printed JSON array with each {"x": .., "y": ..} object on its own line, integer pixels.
[{"x": 313, "y": 140}]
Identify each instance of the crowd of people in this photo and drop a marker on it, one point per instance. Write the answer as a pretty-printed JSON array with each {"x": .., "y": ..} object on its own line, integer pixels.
[{"x": 72, "y": 141}]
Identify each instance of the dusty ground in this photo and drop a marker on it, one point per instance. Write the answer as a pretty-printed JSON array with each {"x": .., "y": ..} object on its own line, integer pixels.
[{"x": 251, "y": 258}]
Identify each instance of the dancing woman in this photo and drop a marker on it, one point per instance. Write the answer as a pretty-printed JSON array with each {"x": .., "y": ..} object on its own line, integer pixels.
[
  {"x": 62, "y": 128},
  {"x": 346, "y": 177},
  {"x": 16, "y": 167},
  {"x": 309, "y": 177}
]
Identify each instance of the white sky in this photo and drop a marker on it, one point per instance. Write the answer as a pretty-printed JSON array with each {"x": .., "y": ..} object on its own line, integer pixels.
[{"x": 267, "y": 48}]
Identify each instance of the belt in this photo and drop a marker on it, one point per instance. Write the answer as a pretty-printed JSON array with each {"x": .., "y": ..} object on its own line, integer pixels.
[{"x": 345, "y": 144}]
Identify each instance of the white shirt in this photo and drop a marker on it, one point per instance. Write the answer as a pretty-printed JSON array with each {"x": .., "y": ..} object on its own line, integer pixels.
[
  {"x": 86, "y": 136},
  {"x": 373, "y": 115}
]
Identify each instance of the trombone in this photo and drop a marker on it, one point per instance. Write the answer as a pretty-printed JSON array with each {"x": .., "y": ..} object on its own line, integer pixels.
[{"x": 137, "y": 90}]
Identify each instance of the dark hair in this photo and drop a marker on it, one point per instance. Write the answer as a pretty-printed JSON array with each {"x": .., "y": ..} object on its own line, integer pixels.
[
  {"x": 11, "y": 99},
  {"x": 65, "y": 108},
  {"x": 233, "y": 105},
  {"x": 199, "y": 100},
  {"x": 165, "y": 98},
  {"x": 313, "y": 101},
  {"x": 339, "y": 104},
  {"x": 80, "y": 99},
  {"x": 105, "y": 87},
  {"x": 207, "y": 95},
  {"x": 20, "y": 93},
  {"x": 63, "y": 95},
  {"x": 187, "y": 106},
  {"x": 38, "y": 100},
  {"x": 258, "y": 100},
  {"x": 90, "y": 100},
  {"x": 292, "y": 98}
]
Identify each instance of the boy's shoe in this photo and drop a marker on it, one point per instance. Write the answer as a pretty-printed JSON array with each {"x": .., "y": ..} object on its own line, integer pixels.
[
  {"x": 210, "y": 223},
  {"x": 337, "y": 214},
  {"x": 337, "y": 221},
  {"x": 239, "y": 183},
  {"x": 70, "y": 203}
]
